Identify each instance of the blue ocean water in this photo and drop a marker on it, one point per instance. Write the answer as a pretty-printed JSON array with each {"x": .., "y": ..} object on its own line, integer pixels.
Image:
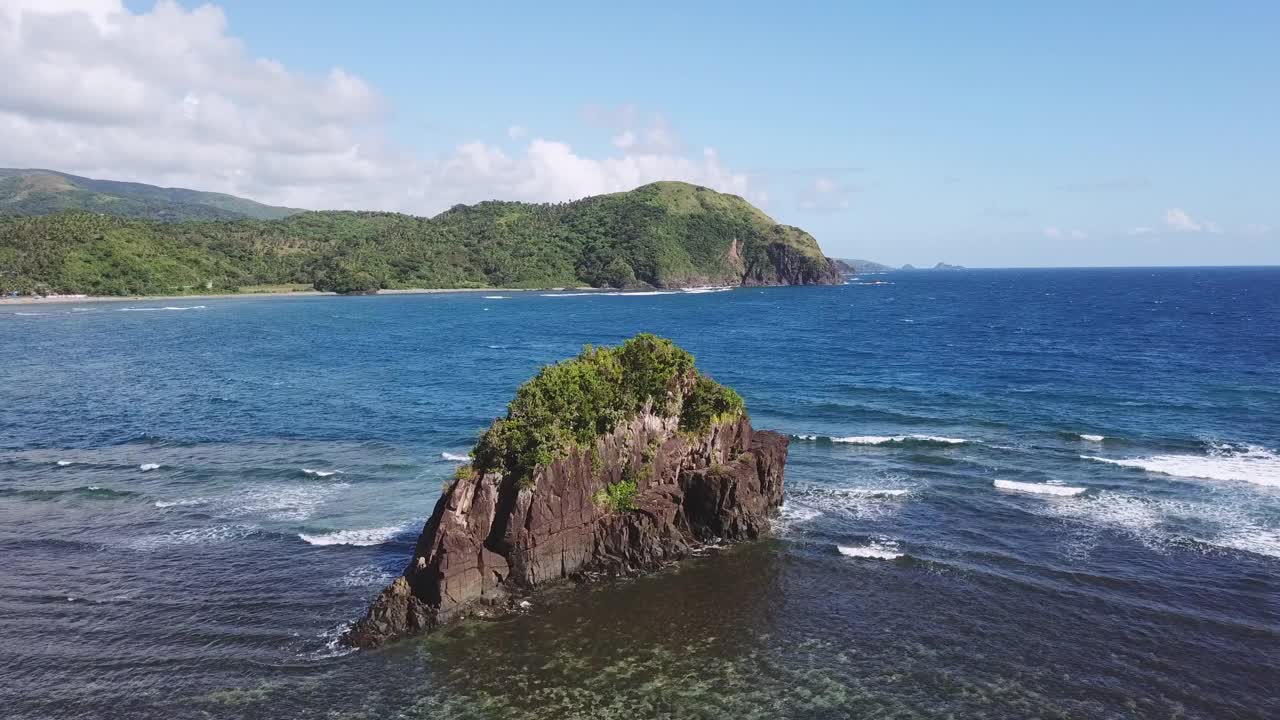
[{"x": 1011, "y": 494}]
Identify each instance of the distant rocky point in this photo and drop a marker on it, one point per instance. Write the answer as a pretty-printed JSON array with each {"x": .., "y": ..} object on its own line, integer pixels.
[
  {"x": 613, "y": 463},
  {"x": 867, "y": 266}
]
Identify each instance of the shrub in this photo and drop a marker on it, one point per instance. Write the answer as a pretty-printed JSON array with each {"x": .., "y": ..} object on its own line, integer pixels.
[
  {"x": 618, "y": 497},
  {"x": 569, "y": 404}
]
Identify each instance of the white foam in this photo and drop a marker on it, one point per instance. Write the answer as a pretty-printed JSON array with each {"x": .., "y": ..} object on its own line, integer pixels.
[
  {"x": 157, "y": 309},
  {"x": 1038, "y": 488},
  {"x": 873, "y": 551},
  {"x": 806, "y": 503},
  {"x": 179, "y": 503},
  {"x": 366, "y": 576},
  {"x": 1093, "y": 438},
  {"x": 321, "y": 473},
  {"x": 702, "y": 290},
  {"x": 149, "y": 466},
  {"x": 635, "y": 293},
  {"x": 455, "y": 457},
  {"x": 63, "y": 463},
  {"x": 288, "y": 503},
  {"x": 497, "y": 297},
  {"x": 363, "y": 537},
  {"x": 887, "y": 439},
  {"x": 192, "y": 536},
  {"x": 1249, "y": 463}
]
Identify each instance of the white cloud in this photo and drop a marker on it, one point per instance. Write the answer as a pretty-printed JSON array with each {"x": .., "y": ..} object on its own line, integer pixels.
[
  {"x": 1178, "y": 220},
  {"x": 1056, "y": 233},
  {"x": 827, "y": 195},
  {"x": 171, "y": 97}
]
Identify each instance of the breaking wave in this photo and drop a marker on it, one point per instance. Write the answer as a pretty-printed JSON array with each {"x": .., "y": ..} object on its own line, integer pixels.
[
  {"x": 1092, "y": 438},
  {"x": 455, "y": 457},
  {"x": 321, "y": 473},
  {"x": 149, "y": 466},
  {"x": 1236, "y": 463},
  {"x": 157, "y": 309},
  {"x": 874, "y": 551},
  {"x": 1038, "y": 488},
  {"x": 364, "y": 537}
]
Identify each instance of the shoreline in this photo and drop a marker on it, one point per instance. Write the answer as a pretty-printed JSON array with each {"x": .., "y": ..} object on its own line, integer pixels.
[{"x": 27, "y": 300}]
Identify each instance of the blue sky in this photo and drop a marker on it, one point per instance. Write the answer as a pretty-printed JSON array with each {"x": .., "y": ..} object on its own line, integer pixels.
[{"x": 986, "y": 134}]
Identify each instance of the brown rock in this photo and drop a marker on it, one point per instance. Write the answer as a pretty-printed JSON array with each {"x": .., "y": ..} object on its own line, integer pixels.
[{"x": 490, "y": 540}]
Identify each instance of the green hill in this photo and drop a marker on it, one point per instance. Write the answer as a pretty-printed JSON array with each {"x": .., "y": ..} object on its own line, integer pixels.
[
  {"x": 666, "y": 234},
  {"x": 41, "y": 192}
]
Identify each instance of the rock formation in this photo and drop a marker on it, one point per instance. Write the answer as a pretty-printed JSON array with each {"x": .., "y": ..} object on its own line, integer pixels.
[{"x": 680, "y": 470}]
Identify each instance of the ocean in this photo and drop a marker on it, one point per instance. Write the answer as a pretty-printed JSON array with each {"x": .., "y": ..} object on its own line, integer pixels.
[{"x": 1010, "y": 494}]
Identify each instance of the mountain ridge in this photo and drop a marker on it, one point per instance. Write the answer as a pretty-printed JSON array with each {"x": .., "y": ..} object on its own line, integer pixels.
[{"x": 665, "y": 234}]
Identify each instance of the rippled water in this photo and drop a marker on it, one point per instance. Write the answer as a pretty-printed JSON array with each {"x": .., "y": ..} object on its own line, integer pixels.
[{"x": 1011, "y": 494}]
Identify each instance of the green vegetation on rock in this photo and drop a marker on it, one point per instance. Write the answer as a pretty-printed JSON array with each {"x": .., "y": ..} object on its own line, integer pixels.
[
  {"x": 666, "y": 234},
  {"x": 569, "y": 404},
  {"x": 619, "y": 496}
]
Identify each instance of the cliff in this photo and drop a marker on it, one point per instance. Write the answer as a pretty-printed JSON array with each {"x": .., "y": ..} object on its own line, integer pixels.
[{"x": 682, "y": 469}]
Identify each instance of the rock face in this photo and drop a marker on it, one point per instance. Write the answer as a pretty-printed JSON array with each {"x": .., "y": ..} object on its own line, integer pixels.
[
  {"x": 492, "y": 539},
  {"x": 788, "y": 266}
]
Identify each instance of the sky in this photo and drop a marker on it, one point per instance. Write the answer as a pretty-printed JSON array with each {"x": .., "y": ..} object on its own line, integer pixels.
[{"x": 982, "y": 134}]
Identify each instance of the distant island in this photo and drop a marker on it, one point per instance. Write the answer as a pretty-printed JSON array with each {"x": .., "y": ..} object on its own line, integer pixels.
[
  {"x": 867, "y": 266},
  {"x": 64, "y": 234}
]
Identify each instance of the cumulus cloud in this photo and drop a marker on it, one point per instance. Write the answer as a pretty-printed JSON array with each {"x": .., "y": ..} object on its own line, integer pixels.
[
  {"x": 172, "y": 97},
  {"x": 1178, "y": 220}
]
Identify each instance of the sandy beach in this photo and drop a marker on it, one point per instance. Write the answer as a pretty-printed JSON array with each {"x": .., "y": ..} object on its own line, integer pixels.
[{"x": 56, "y": 299}]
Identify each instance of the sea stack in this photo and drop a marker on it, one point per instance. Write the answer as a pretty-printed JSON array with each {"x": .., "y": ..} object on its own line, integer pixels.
[{"x": 615, "y": 462}]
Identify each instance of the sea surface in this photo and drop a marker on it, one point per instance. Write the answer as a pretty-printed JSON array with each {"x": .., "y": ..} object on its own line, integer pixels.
[{"x": 1010, "y": 494}]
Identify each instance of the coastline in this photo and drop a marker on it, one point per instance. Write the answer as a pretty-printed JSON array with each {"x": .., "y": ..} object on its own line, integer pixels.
[{"x": 27, "y": 300}]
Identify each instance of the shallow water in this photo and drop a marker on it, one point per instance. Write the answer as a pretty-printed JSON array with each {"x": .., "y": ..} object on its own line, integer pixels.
[{"x": 192, "y": 503}]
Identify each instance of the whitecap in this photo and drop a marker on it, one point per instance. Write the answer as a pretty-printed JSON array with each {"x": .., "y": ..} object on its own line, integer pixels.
[
  {"x": 1092, "y": 438},
  {"x": 872, "y": 551},
  {"x": 807, "y": 502},
  {"x": 366, "y": 576},
  {"x": 191, "y": 536},
  {"x": 889, "y": 439},
  {"x": 321, "y": 473},
  {"x": 1038, "y": 488},
  {"x": 1248, "y": 463},
  {"x": 497, "y": 297},
  {"x": 361, "y": 537},
  {"x": 289, "y": 503},
  {"x": 149, "y": 466},
  {"x": 179, "y": 503},
  {"x": 703, "y": 290},
  {"x": 63, "y": 463},
  {"x": 455, "y": 457}
]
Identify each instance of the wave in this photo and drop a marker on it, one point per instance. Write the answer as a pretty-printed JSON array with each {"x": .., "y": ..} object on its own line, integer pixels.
[
  {"x": 366, "y": 576},
  {"x": 1166, "y": 524},
  {"x": 1232, "y": 463},
  {"x": 364, "y": 537},
  {"x": 497, "y": 297},
  {"x": 703, "y": 290},
  {"x": 287, "y": 503},
  {"x": 321, "y": 473},
  {"x": 149, "y": 466},
  {"x": 806, "y": 503},
  {"x": 63, "y": 463},
  {"x": 873, "y": 551},
  {"x": 1092, "y": 438},
  {"x": 180, "y": 503},
  {"x": 634, "y": 293},
  {"x": 95, "y": 492},
  {"x": 192, "y": 536},
  {"x": 157, "y": 309},
  {"x": 455, "y": 457},
  {"x": 885, "y": 439},
  {"x": 1038, "y": 488}
]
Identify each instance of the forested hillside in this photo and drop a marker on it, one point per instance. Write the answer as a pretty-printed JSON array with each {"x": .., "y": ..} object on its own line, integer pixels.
[{"x": 666, "y": 234}]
